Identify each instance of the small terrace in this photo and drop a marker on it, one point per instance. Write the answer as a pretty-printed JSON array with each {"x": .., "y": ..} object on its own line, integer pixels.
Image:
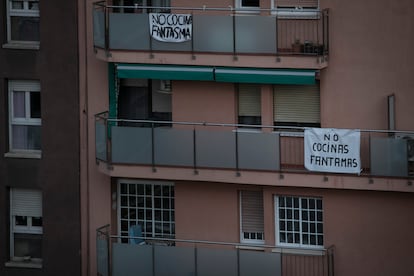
[
  {"x": 132, "y": 255},
  {"x": 298, "y": 39},
  {"x": 197, "y": 146}
]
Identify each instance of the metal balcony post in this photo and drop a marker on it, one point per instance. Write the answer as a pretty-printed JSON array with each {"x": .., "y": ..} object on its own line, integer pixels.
[{"x": 154, "y": 169}]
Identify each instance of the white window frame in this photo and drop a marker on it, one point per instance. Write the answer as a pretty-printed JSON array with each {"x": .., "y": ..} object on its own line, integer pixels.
[
  {"x": 19, "y": 229},
  {"x": 242, "y": 238},
  {"x": 27, "y": 87},
  {"x": 301, "y": 244},
  {"x": 297, "y": 12},
  {"x": 153, "y": 221},
  {"x": 25, "y": 12}
]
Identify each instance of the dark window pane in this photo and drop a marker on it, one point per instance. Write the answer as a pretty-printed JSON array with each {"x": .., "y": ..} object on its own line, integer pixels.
[
  {"x": 289, "y": 226},
  {"x": 304, "y": 203},
  {"x": 319, "y": 228},
  {"x": 166, "y": 203},
  {"x": 319, "y": 204},
  {"x": 320, "y": 240},
  {"x": 281, "y": 214},
  {"x": 124, "y": 188},
  {"x": 319, "y": 216},
  {"x": 289, "y": 202},
  {"x": 157, "y": 202},
  {"x": 296, "y": 214},
  {"x": 296, "y": 202},
  {"x": 296, "y": 226},
  {"x": 312, "y": 216},
  {"x": 24, "y": 28},
  {"x": 21, "y": 220},
  {"x": 305, "y": 239},
  {"x": 140, "y": 214},
  {"x": 282, "y": 225},
  {"x": 305, "y": 227},
  {"x": 312, "y": 239},
  {"x": 157, "y": 190},
  {"x": 250, "y": 3},
  {"x": 305, "y": 215},
  {"x": 148, "y": 190},
  {"x": 132, "y": 201},
  {"x": 148, "y": 215},
  {"x": 124, "y": 226},
  {"x": 35, "y": 104},
  {"x": 312, "y": 204},
  {"x": 37, "y": 221},
  {"x": 297, "y": 240},
  {"x": 28, "y": 245},
  {"x": 282, "y": 202},
  {"x": 157, "y": 215},
  {"x": 282, "y": 237},
  {"x": 132, "y": 189},
  {"x": 312, "y": 228}
]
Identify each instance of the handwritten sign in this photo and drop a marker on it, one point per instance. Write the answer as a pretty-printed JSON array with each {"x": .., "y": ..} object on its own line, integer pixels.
[
  {"x": 169, "y": 27},
  {"x": 332, "y": 150}
]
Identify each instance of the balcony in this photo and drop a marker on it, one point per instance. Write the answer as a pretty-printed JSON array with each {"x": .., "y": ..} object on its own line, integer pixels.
[
  {"x": 288, "y": 40},
  {"x": 237, "y": 149},
  {"x": 155, "y": 257}
]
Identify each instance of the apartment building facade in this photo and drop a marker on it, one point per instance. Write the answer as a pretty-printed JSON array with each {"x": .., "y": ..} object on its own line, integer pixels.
[
  {"x": 39, "y": 142},
  {"x": 199, "y": 119}
]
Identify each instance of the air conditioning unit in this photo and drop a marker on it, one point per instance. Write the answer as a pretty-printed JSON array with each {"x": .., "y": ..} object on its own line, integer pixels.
[{"x": 410, "y": 144}]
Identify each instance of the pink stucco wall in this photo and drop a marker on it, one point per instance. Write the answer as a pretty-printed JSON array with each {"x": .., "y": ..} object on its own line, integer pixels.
[
  {"x": 371, "y": 231},
  {"x": 204, "y": 102},
  {"x": 370, "y": 58}
]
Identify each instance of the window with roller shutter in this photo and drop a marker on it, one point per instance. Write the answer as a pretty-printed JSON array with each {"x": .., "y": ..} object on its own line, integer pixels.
[{"x": 251, "y": 217}]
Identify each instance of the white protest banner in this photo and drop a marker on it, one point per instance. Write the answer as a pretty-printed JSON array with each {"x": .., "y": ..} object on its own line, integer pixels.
[
  {"x": 169, "y": 27},
  {"x": 332, "y": 150}
]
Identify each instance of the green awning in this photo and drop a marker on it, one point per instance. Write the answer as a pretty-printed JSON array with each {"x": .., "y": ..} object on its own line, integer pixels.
[
  {"x": 219, "y": 74},
  {"x": 260, "y": 75},
  {"x": 165, "y": 72}
]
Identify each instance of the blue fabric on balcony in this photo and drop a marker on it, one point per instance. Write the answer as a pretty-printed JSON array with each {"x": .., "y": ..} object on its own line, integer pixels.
[
  {"x": 219, "y": 74},
  {"x": 263, "y": 75},
  {"x": 165, "y": 72}
]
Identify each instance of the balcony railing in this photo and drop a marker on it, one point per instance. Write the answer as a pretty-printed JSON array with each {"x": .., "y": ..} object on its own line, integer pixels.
[
  {"x": 215, "y": 30},
  {"x": 118, "y": 255},
  {"x": 237, "y": 147}
]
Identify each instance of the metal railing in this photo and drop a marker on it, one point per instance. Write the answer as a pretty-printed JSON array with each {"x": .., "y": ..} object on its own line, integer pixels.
[
  {"x": 119, "y": 255},
  {"x": 237, "y": 147},
  {"x": 216, "y": 30}
]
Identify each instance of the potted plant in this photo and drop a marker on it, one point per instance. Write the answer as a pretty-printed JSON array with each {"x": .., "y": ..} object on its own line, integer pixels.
[{"x": 297, "y": 47}]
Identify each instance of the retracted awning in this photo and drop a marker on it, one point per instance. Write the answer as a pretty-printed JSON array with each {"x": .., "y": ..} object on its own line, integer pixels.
[
  {"x": 165, "y": 72},
  {"x": 260, "y": 75},
  {"x": 219, "y": 74}
]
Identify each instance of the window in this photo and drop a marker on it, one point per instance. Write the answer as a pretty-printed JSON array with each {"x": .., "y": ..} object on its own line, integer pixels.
[
  {"x": 138, "y": 3},
  {"x": 296, "y": 105},
  {"x": 23, "y": 20},
  {"x": 249, "y": 104},
  {"x": 299, "y": 221},
  {"x": 251, "y": 217},
  {"x": 149, "y": 205},
  {"x": 248, "y": 4},
  {"x": 26, "y": 225},
  {"x": 296, "y": 8},
  {"x": 142, "y": 99},
  {"x": 24, "y": 116}
]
